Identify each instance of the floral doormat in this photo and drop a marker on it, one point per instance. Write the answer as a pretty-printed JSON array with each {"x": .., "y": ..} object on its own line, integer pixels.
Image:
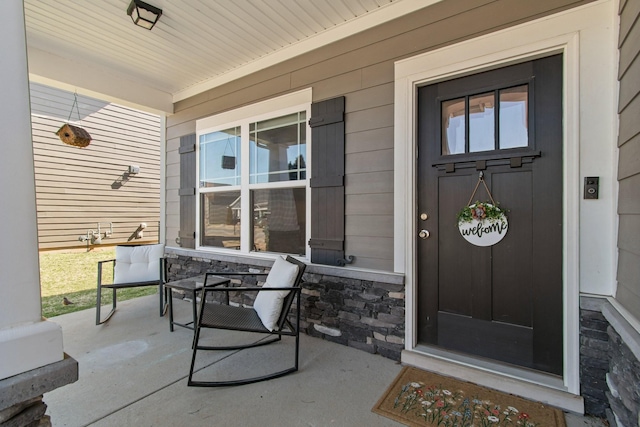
[{"x": 420, "y": 398}]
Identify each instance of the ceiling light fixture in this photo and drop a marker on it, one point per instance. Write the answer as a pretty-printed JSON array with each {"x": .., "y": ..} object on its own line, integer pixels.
[{"x": 143, "y": 14}]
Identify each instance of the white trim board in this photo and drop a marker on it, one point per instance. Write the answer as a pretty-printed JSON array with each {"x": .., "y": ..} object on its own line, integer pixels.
[
  {"x": 268, "y": 107},
  {"x": 586, "y": 37}
]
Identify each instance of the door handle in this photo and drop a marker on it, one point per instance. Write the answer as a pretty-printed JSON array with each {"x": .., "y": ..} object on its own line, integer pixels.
[{"x": 424, "y": 234}]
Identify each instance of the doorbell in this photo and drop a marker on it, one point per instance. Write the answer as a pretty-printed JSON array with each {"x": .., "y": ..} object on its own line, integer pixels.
[{"x": 591, "y": 187}]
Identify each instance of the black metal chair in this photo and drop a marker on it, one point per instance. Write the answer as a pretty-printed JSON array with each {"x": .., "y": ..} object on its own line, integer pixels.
[
  {"x": 134, "y": 266},
  {"x": 262, "y": 318}
]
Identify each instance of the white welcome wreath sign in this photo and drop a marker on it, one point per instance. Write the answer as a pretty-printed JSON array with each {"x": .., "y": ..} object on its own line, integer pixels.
[{"x": 482, "y": 224}]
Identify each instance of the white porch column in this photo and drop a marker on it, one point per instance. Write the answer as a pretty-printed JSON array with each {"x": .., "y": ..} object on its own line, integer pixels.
[{"x": 26, "y": 340}]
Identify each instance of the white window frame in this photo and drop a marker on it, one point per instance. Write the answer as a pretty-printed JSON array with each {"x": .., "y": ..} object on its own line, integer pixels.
[{"x": 242, "y": 117}]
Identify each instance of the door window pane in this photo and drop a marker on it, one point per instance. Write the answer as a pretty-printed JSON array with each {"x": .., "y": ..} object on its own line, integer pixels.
[
  {"x": 279, "y": 220},
  {"x": 278, "y": 149},
  {"x": 514, "y": 117},
  {"x": 482, "y": 121},
  {"x": 453, "y": 126},
  {"x": 220, "y": 219},
  {"x": 220, "y": 158}
]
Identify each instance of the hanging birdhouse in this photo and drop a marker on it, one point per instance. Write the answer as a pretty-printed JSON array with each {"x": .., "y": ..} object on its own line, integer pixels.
[{"x": 74, "y": 135}]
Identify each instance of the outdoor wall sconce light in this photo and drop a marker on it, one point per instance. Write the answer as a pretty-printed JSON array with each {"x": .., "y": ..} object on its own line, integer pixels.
[
  {"x": 142, "y": 14},
  {"x": 139, "y": 233},
  {"x": 134, "y": 169}
]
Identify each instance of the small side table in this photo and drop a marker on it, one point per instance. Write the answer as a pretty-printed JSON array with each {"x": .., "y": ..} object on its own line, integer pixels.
[{"x": 192, "y": 285}]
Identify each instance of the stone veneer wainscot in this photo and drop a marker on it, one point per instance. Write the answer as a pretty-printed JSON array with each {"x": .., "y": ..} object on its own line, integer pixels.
[
  {"x": 609, "y": 363},
  {"x": 361, "y": 309}
]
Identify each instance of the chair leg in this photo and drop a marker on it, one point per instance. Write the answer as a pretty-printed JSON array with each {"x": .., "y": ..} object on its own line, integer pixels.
[
  {"x": 195, "y": 349},
  {"x": 164, "y": 305},
  {"x": 167, "y": 295},
  {"x": 297, "y": 331},
  {"x": 164, "y": 299},
  {"x": 195, "y": 316},
  {"x": 98, "y": 303},
  {"x": 99, "y": 320},
  {"x": 251, "y": 380},
  {"x": 170, "y": 298}
]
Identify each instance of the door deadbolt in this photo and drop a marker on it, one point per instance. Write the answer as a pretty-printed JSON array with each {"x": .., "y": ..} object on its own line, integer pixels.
[
  {"x": 424, "y": 234},
  {"x": 424, "y": 216}
]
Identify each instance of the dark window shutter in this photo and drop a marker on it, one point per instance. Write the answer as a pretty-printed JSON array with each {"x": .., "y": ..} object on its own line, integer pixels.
[
  {"x": 327, "y": 182},
  {"x": 187, "y": 193}
]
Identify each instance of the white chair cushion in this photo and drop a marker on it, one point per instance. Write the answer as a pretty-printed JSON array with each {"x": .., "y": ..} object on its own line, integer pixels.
[
  {"x": 268, "y": 304},
  {"x": 137, "y": 263}
]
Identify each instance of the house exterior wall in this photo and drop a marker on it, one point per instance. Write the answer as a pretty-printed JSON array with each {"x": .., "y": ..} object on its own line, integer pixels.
[
  {"x": 78, "y": 187},
  {"x": 616, "y": 376},
  {"x": 628, "y": 291},
  {"x": 360, "y": 68}
]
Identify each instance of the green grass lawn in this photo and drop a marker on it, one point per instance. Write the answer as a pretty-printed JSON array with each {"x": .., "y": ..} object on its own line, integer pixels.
[{"x": 74, "y": 275}]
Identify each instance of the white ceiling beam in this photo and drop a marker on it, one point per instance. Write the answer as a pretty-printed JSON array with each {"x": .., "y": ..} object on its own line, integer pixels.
[{"x": 86, "y": 79}]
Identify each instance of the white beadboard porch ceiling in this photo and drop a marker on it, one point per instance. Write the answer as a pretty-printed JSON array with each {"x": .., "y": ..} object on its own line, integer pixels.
[{"x": 195, "y": 46}]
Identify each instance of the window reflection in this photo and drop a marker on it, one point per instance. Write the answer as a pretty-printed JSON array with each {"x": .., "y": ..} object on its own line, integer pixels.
[
  {"x": 478, "y": 133},
  {"x": 220, "y": 219},
  {"x": 453, "y": 126},
  {"x": 278, "y": 149},
  {"x": 514, "y": 117},
  {"x": 482, "y": 122},
  {"x": 220, "y": 158},
  {"x": 279, "y": 220}
]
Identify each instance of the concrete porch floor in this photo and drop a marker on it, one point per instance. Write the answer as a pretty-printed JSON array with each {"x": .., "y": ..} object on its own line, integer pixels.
[{"x": 133, "y": 372}]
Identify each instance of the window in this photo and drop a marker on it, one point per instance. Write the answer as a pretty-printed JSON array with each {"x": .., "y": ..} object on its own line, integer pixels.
[
  {"x": 469, "y": 123},
  {"x": 252, "y": 174},
  {"x": 278, "y": 149},
  {"x": 219, "y": 164}
]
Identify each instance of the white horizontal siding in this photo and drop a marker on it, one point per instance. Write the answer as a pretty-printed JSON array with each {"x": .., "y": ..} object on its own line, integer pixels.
[{"x": 78, "y": 187}]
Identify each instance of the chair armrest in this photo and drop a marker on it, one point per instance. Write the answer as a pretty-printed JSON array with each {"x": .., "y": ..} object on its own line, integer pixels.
[
  {"x": 243, "y": 274},
  {"x": 249, "y": 288},
  {"x": 235, "y": 273},
  {"x": 100, "y": 269}
]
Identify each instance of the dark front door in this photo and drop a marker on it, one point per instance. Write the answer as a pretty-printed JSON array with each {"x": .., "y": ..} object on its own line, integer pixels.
[{"x": 501, "y": 302}]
